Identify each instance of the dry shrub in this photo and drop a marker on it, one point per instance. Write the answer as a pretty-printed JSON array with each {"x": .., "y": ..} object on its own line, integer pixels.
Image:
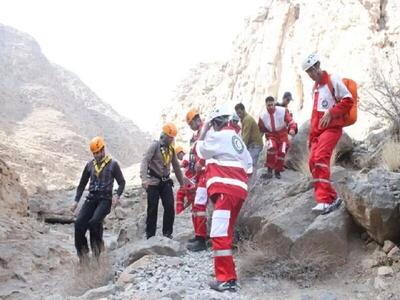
[
  {"x": 391, "y": 155},
  {"x": 384, "y": 101},
  {"x": 256, "y": 261}
]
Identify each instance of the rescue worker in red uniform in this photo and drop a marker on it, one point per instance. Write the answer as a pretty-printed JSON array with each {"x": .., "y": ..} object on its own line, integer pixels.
[
  {"x": 228, "y": 164},
  {"x": 327, "y": 122},
  {"x": 276, "y": 122},
  {"x": 196, "y": 168}
]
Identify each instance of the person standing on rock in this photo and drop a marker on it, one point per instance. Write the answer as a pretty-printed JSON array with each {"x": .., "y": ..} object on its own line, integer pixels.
[
  {"x": 251, "y": 135},
  {"x": 155, "y": 175},
  {"x": 327, "y": 122},
  {"x": 196, "y": 167},
  {"x": 101, "y": 171},
  {"x": 276, "y": 122},
  {"x": 286, "y": 98},
  {"x": 228, "y": 164}
]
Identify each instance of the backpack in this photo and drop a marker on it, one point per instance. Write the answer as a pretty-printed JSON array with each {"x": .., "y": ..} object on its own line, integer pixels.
[{"x": 351, "y": 117}]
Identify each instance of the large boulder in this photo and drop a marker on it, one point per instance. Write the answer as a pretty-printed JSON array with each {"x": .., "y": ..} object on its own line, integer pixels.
[
  {"x": 278, "y": 216},
  {"x": 373, "y": 200},
  {"x": 132, "y": 252},
  {"x": 298, "y": 152},
  {"x": 325, "y": 239}
]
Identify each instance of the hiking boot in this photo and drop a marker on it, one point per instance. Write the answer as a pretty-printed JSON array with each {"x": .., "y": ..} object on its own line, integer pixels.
[
  {"x": 198, "y": 245},
  {"x": 149, "y": 236},
  {"x": 192, "y": 240},
  {"x": 333, "y": 206},
  {"x": 277, "y": 175},
  {"x": 168, "y": 236},
  {"x": 320, "y": 207},
  {"x": 267, "y": 175},
  {"x": 222, "y": 286}
]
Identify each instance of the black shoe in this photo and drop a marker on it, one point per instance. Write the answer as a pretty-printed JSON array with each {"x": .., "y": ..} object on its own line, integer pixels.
[
  {"x": 222, "y": 286},
  {"x": 333, "y": 206},
  {"x": 267, "y": 175},
  {"x": 198, "y": 245},
  {"x": 168, "y": 236},
  {"x": 192, "y": 240},
  {"x": 277, "y": 175}
]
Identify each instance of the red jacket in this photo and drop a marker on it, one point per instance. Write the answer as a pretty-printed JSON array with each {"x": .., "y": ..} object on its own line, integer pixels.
[
  {"x": 275, "y": 124},
  {"x": 324, "y": 100}
]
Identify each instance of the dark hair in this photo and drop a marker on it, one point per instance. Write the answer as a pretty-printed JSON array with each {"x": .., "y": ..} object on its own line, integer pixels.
[
  {"x": 239, "y": 106},
  {"x": 269, "y": 99}
]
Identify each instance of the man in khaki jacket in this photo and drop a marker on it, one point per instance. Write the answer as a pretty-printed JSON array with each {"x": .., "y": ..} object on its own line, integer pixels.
[
  {"x": 155, "y": 175},
  {"x": 251, "y": 135}
]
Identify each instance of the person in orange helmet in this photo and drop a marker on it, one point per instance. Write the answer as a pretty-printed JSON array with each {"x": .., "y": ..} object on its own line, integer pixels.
[
  {"x": 196, "y": 167},
  {"x": 101, "y": 171},
  {"x": 155, "y": 175}
]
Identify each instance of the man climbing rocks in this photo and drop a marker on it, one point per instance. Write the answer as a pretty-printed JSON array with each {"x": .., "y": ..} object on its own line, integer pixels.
[
  {"x": 196, "y": 167},
  {"x": 101, "y": 171},
  {"x": 276, "y": 122},
  {"x": 251, "y": 135},
  {"x": 332, "y": 101},
  {"x": 227, "y": 164}
]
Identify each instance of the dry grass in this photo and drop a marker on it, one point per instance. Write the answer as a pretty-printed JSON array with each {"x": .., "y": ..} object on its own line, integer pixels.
[
  {"x": 390, "y": 155},
  {"x": 255, "y": 261}
]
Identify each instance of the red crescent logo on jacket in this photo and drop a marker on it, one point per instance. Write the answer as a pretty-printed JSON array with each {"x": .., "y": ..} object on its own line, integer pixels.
[{"x": 237, "y": 144}]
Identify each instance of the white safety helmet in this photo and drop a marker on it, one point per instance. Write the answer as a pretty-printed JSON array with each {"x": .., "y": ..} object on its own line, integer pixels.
[
  {"x": 221, "y": 111},
  {"x": 235, "y": 117},
  {"x": 311, "y": 60}
]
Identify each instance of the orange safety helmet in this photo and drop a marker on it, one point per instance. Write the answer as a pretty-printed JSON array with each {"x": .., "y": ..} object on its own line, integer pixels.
[
  {"x": 96, "y": 144},
  {"x": 179, "y": 149},
  {"x": 170, "y": 130},
  {"x": 191, "y": 114}
]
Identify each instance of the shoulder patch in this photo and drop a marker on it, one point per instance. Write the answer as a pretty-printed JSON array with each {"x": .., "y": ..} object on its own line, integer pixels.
[{"x": 237, "y": 144}]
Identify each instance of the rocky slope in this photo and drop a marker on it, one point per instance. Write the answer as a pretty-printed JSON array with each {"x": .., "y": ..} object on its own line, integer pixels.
[
  {"x": 48, "y": 115},
  {"x": 354, "y": 38}
]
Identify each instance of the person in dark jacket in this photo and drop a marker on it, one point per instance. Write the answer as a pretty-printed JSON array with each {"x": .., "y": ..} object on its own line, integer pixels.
[
  {"x": 155, "y": 175},
  {"x": 101, "y": 171}
]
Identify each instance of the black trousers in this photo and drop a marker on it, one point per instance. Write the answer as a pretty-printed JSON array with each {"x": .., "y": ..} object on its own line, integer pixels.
[
  {"x": 154, "y": 193},
  {"x": 91, "y": 217}
]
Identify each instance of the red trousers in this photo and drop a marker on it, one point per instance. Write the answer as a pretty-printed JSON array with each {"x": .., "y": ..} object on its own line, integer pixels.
[
  {"x": 199, "y": 209},
  {"x": 321, "y": 149},
  {"x": 226, "y": 210},
  {"x": 276, "y": 154}
]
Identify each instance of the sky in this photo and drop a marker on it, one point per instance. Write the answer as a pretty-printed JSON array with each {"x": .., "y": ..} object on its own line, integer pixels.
[{"x": 132, "y": 54}]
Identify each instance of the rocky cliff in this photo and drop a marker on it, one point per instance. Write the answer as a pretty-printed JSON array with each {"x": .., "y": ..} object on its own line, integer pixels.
[
  {"x": 48, "y": 115},
  {"x": 354, "y": 38}
]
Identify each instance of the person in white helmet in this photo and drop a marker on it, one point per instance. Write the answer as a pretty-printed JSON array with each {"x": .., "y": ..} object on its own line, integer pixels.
[
  {"x": 228, "y": 164},
  {"x": 332, "y": 101}
]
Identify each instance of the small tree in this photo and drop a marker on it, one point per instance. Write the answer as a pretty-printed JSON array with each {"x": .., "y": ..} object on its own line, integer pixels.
[{"x": 385, "y": 97}]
